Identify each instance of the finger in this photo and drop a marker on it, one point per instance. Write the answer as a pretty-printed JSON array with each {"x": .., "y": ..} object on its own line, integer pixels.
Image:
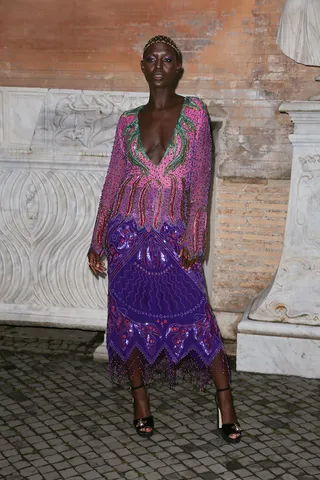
[
  {"x": 93, "y": 269},
  {"x": 98, "y": 271},
  {"x": 189, "y": 263}
]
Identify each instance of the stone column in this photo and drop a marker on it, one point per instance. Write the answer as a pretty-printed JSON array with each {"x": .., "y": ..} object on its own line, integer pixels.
[{"x": 280, "y": 331}]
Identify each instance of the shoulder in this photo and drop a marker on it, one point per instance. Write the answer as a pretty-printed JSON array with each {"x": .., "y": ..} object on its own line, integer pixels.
[
  {"x": 196, "y": 103},
  {"x": 131, "y": 113},
  {"x": 127, "y": 117},
  {"x": 197, "y": 109}
]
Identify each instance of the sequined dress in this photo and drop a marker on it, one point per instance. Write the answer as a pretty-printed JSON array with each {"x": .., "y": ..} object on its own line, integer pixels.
[{"x": 146, "y": 214}]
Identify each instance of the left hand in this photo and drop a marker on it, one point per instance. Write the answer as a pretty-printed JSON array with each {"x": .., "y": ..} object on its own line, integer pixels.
[
  {"x": 96, "y": 264},
  {"x": 187, "y": 260}
]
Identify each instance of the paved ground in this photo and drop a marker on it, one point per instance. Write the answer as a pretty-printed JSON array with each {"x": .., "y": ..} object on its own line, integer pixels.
[{"x": 62, "y": 419}]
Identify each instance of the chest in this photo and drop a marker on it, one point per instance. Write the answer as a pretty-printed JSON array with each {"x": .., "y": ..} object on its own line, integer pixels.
[
  {"x": 160, "y": 139},
  {"x": 157, "y": 128}
]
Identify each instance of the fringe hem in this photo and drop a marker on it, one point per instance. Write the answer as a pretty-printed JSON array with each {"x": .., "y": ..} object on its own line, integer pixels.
[{"x": 191, "y": 368}]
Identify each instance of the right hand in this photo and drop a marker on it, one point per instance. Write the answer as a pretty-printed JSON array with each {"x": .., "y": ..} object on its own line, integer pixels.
[
  {"x": 96, "y": 264},
  {"x": 187, "y": 260}
]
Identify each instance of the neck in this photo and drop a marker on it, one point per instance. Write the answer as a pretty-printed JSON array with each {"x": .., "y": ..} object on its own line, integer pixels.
[{"x": 160, "y": 98}]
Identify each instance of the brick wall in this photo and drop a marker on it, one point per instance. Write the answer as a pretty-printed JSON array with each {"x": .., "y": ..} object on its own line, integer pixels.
[
  {"x": 249, "y": 228},
  {"x": 96, "y": 45},
  {"x": 229, "y": 49},
  {"x": 231, "y": 59}
]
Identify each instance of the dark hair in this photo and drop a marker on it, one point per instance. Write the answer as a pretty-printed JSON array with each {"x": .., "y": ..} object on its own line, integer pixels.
[{"x": 164, "y": 39}]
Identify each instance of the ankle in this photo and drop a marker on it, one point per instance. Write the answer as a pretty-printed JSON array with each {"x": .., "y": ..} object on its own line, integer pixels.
[
  {"x": 137, "y": 386},
  {"x": 224, "y": 389},
  {"x": 224, "y": 398}
]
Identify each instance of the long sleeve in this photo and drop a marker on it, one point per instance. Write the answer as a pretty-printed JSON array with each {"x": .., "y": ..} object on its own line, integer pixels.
[
  {"x": 195, "y": 237},
  {"x": 115, "y": 175}
]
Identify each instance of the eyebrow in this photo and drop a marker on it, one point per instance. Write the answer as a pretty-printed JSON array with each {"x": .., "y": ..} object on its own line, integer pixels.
[{"x": 158, "y": 53}]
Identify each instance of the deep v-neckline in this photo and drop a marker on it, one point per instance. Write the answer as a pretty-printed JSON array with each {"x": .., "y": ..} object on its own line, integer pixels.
[{"x": 170, "y": 140}]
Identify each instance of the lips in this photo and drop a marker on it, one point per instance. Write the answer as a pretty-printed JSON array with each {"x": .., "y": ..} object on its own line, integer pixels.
[{"x": 158, "y": 76}]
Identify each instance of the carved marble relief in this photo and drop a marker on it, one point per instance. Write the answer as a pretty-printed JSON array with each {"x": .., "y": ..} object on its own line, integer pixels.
[
  {"x": 280, "y": 331},
  {"x": 295, "y": 288},
  {"x": 85, "y": 121},
  {"x": 53, "y": 160},
  {"x": 308, "y": 200},
  {"x": 293, "y": 296}
]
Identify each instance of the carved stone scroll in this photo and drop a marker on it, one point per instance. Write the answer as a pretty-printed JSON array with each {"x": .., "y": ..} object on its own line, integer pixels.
[
  {"x": 280, "y": 331},
  {"x": 54, "y": 153}
]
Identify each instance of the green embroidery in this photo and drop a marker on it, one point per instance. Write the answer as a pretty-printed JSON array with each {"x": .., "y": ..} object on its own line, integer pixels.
[
  {"x": 133, "y": 111},
  {"x": 192, "y": 104},
  {"x": 183, "y": 127},
  {"x": 132, "y": 136}
]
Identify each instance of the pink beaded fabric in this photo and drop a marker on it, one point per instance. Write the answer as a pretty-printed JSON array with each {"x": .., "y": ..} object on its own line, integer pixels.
[{"x": 159, "y": 316}]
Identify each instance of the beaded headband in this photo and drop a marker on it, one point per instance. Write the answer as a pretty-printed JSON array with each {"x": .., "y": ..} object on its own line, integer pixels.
[{"x": 163, "y": 39}]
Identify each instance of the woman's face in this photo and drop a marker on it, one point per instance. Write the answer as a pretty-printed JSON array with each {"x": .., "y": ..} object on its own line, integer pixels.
[{"x": 160, "y": 65}]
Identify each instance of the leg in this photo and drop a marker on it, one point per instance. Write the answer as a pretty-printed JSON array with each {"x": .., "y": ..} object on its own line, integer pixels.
[
  {"x": 221, "y": 377},
  {"x": 139, "y": 393}
]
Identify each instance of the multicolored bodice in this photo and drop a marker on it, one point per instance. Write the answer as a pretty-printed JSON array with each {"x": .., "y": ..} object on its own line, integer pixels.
[{"x": 173, "y": 192}]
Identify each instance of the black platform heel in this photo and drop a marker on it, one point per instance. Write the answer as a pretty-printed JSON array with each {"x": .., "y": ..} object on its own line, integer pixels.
[
  {"x": 143, "y": 423},
  {"x": 227, "y": 429}
]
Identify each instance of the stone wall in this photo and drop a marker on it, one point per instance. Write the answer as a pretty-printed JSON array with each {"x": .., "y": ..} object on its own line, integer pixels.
[
  {"x": 231, "y": 60},
  {"x": 54, "y": 152}
]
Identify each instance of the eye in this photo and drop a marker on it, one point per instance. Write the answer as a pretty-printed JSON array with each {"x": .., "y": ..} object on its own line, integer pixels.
[
  {"x": 150, "y": 59},
  {"x": 168, "y": 59}
]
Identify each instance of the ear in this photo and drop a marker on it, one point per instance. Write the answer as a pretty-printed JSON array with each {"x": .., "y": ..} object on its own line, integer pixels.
[{"x": 142, "y": 65}]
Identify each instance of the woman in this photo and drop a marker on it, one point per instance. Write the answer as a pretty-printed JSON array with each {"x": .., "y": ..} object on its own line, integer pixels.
[{"x": 151, "y": 225}]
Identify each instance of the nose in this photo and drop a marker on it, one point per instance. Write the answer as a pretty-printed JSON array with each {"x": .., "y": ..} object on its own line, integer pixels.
[{"x": 158, "y": 62}]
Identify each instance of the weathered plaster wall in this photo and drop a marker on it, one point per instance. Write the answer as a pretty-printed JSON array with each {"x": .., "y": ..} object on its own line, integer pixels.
[
  {"x": 231, "y": 60},
  {"x": 229, "y": 49}
]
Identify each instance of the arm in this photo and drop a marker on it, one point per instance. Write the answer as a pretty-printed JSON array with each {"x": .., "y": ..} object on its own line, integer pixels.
[
  {"x": 115, "y": 174},
  {"x": 194, "y": 241}
]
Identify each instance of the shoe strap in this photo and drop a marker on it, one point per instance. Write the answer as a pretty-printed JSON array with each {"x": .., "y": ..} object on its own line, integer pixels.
[
  {"x": 144, "y": 422},
  {"x": 223, "y": 389},
  {"x": 136, "y": 388}
]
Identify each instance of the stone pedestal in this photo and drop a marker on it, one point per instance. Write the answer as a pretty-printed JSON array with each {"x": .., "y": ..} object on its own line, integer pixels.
[{"x": 280, "y": 331}]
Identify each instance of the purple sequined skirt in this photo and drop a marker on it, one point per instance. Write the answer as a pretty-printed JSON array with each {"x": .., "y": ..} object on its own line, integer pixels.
[{"x": 156, "y": 309}]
